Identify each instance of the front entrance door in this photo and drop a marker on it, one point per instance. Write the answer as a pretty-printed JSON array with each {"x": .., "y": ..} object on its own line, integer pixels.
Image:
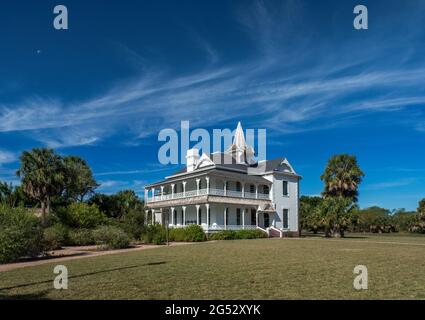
[{"x": 266, "y": 220}]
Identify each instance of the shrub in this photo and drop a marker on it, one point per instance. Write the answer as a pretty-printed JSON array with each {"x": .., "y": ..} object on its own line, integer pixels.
[
  {"x": 82, "y": 215},
  {"x": 20, "y": 235},
  {"x": 250, "y": 234},
  {"x": 155, "y": 234},
  {"x": 55, "y": 237},
  {"x": 192, "y": 233},
  {"x": 239, "y": 234},
  {"x": 80, "y": 237},
  {"x": 133, "y": 223},
  {"x": 110, "y": 237},
  {"x": 224, "y": 235}
]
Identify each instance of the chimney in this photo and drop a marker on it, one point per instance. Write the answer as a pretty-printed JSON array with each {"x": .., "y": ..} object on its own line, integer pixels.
[{"x": 192, "y": 159}]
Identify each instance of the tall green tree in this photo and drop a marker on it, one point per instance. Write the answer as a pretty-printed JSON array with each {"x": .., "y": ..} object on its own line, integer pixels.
[
  {"x": 421, "y": 207},
  {"x": 42, "y": 176},
  {"x": 335, "y": 215},
  {"x": 342, "y": 177},
  {"x": 308, "y": 213},
  {"x": 12, "y": 196},
  {"x": 79, "y": 180},
  {"x": 419, "y": 224}
]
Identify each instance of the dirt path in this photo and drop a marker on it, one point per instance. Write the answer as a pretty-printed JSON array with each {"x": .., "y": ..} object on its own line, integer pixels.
[{"x": 73, "y": 253}]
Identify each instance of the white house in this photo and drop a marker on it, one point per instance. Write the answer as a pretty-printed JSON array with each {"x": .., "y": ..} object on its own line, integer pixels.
[{"x": 228, "y": 191}]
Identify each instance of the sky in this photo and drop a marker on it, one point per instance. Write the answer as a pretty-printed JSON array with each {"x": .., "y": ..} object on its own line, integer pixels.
[{"x": 124, "y": 70}]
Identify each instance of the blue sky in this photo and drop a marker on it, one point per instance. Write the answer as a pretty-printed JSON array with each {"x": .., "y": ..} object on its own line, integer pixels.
[{"x": 127, "y": 69}]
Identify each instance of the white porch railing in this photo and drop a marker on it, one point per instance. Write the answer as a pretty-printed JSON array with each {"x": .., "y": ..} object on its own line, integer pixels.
[
  {"x": 210, "y": 191},
  {"x": 217, "y": 227}
]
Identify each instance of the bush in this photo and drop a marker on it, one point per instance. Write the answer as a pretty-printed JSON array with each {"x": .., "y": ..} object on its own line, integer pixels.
[
  {"x": 20, "y": 234},
  {"x": 155, "y": 234},
  {"x": 110, "y": 237},
  {"x": 133, "y": 223},
  {"x": 82, "y": 215},
  {"x": 239, "y": 234},
  {"x": 80, "y": 237},
  {"x": 224, "y": 235},
  {"x": 192, "y": 233},
  {"x": 250, "y": 234},
  {"x": 55, "y": 237}
]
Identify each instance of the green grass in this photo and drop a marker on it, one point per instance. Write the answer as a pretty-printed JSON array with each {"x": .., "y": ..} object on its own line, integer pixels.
[{"x": 308, "y": 268}]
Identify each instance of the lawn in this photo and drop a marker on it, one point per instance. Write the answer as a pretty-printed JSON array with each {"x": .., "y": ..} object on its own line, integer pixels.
[{"x": 306, "y": 268}]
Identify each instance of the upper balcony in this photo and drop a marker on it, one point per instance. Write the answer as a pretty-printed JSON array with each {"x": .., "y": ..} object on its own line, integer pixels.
[
  {"x": 211, "y": 191},
  {"x": 204, "y": 186}
]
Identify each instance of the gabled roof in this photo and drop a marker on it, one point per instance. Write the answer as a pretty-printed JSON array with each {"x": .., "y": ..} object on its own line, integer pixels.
[{"x": 224, "y": 161}]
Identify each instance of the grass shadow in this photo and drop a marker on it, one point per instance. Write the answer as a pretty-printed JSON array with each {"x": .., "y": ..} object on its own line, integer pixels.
[
  {"x": 41, "y": 295},
  {"x": 83, "y": 275}
]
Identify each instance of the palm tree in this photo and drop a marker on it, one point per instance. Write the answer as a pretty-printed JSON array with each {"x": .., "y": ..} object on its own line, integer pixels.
[
  {"x": 342, "y": 177},
  {"x": 42, "y": 176}
]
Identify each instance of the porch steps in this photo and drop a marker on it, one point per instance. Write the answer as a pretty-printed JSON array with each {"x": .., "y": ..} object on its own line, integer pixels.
[{"x": 274, "y": 233}]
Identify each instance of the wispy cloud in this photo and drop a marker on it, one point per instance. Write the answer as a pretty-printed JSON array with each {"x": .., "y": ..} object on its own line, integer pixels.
[
  {"x": 7, "y": 157},
  {"x": 281, "y": 87},
  {"x": 390, "y": 184}
]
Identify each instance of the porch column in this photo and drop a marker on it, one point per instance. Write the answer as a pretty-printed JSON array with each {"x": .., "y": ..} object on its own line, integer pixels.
[
  {"x": 225, "y": 188},
  {"x": 172, "y": 190},
  {"x": 208, "y": 215},
  {"x": 256, "y": 191},
  {"x": 225, "y": 218},
  {"x": 172, "y": 215},
  {"x": 243, "y": 218},
  {"x": 184, "y": 215},
  {"x": 146, "y": 195},
  {"x": 197, "y": 214},
  {"x": 208, "y": 184},
  {"x": 184, "y": 189},
  {"x": 197, "y": 186},
  {"x": 256, "y": 218},
  {"x": 153, "y": 216},
  {"x": 153, "y": 194},
  {"x": 243, "y": 189},
  {"x": 162, "y": 192},
  {"x": 146, "y": 216}
]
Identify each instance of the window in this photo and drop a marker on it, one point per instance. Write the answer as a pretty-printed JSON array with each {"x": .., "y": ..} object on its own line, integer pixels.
[
  {"x": 285, "y": 218},
  {"x": 238, "y": 217},
  {"x": 252, "y": 188},
  {"x": 209, "y": 216},
  {"x": 175, "y": 216},
  {"x": 266, "y": 189},
  {"x": 200, "y": 216},
  {"x": 253, "y": 217},
  {"x": 285, "y": 188},
  {"x": 238, "y": 186},
  {"x": 182, "y": 217},
  {"x": 227, "y": 216}
]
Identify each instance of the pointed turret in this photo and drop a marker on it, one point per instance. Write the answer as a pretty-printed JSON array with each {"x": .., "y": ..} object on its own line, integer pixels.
[
  {"x": 240, "y": 151},
  {"x": 239, "y": 140}
]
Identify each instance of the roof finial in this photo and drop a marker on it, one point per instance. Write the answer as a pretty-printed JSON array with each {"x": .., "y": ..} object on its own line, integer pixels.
[{"x": 239, "y": 140}]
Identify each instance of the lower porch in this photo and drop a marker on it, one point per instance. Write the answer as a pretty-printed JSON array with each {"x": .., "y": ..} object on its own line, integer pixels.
[{"x": 213, "y": 217}]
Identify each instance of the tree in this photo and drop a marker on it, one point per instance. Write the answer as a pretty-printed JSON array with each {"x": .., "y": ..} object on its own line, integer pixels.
[
  {"x": 308, "y": 210},
  {"x": 374, "y": 219},
  {"x": 335, "y": 215},
  {"x": 117, "y": 205},
  {"x": 79, "y": 180},
  {"x": 12, "y": 196},
  {"x": 419, "y": 224},
  {"x": 421, "y": 207},
  {"x": 342, "y": 177},
  {"x": 42, "y": 176}
]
